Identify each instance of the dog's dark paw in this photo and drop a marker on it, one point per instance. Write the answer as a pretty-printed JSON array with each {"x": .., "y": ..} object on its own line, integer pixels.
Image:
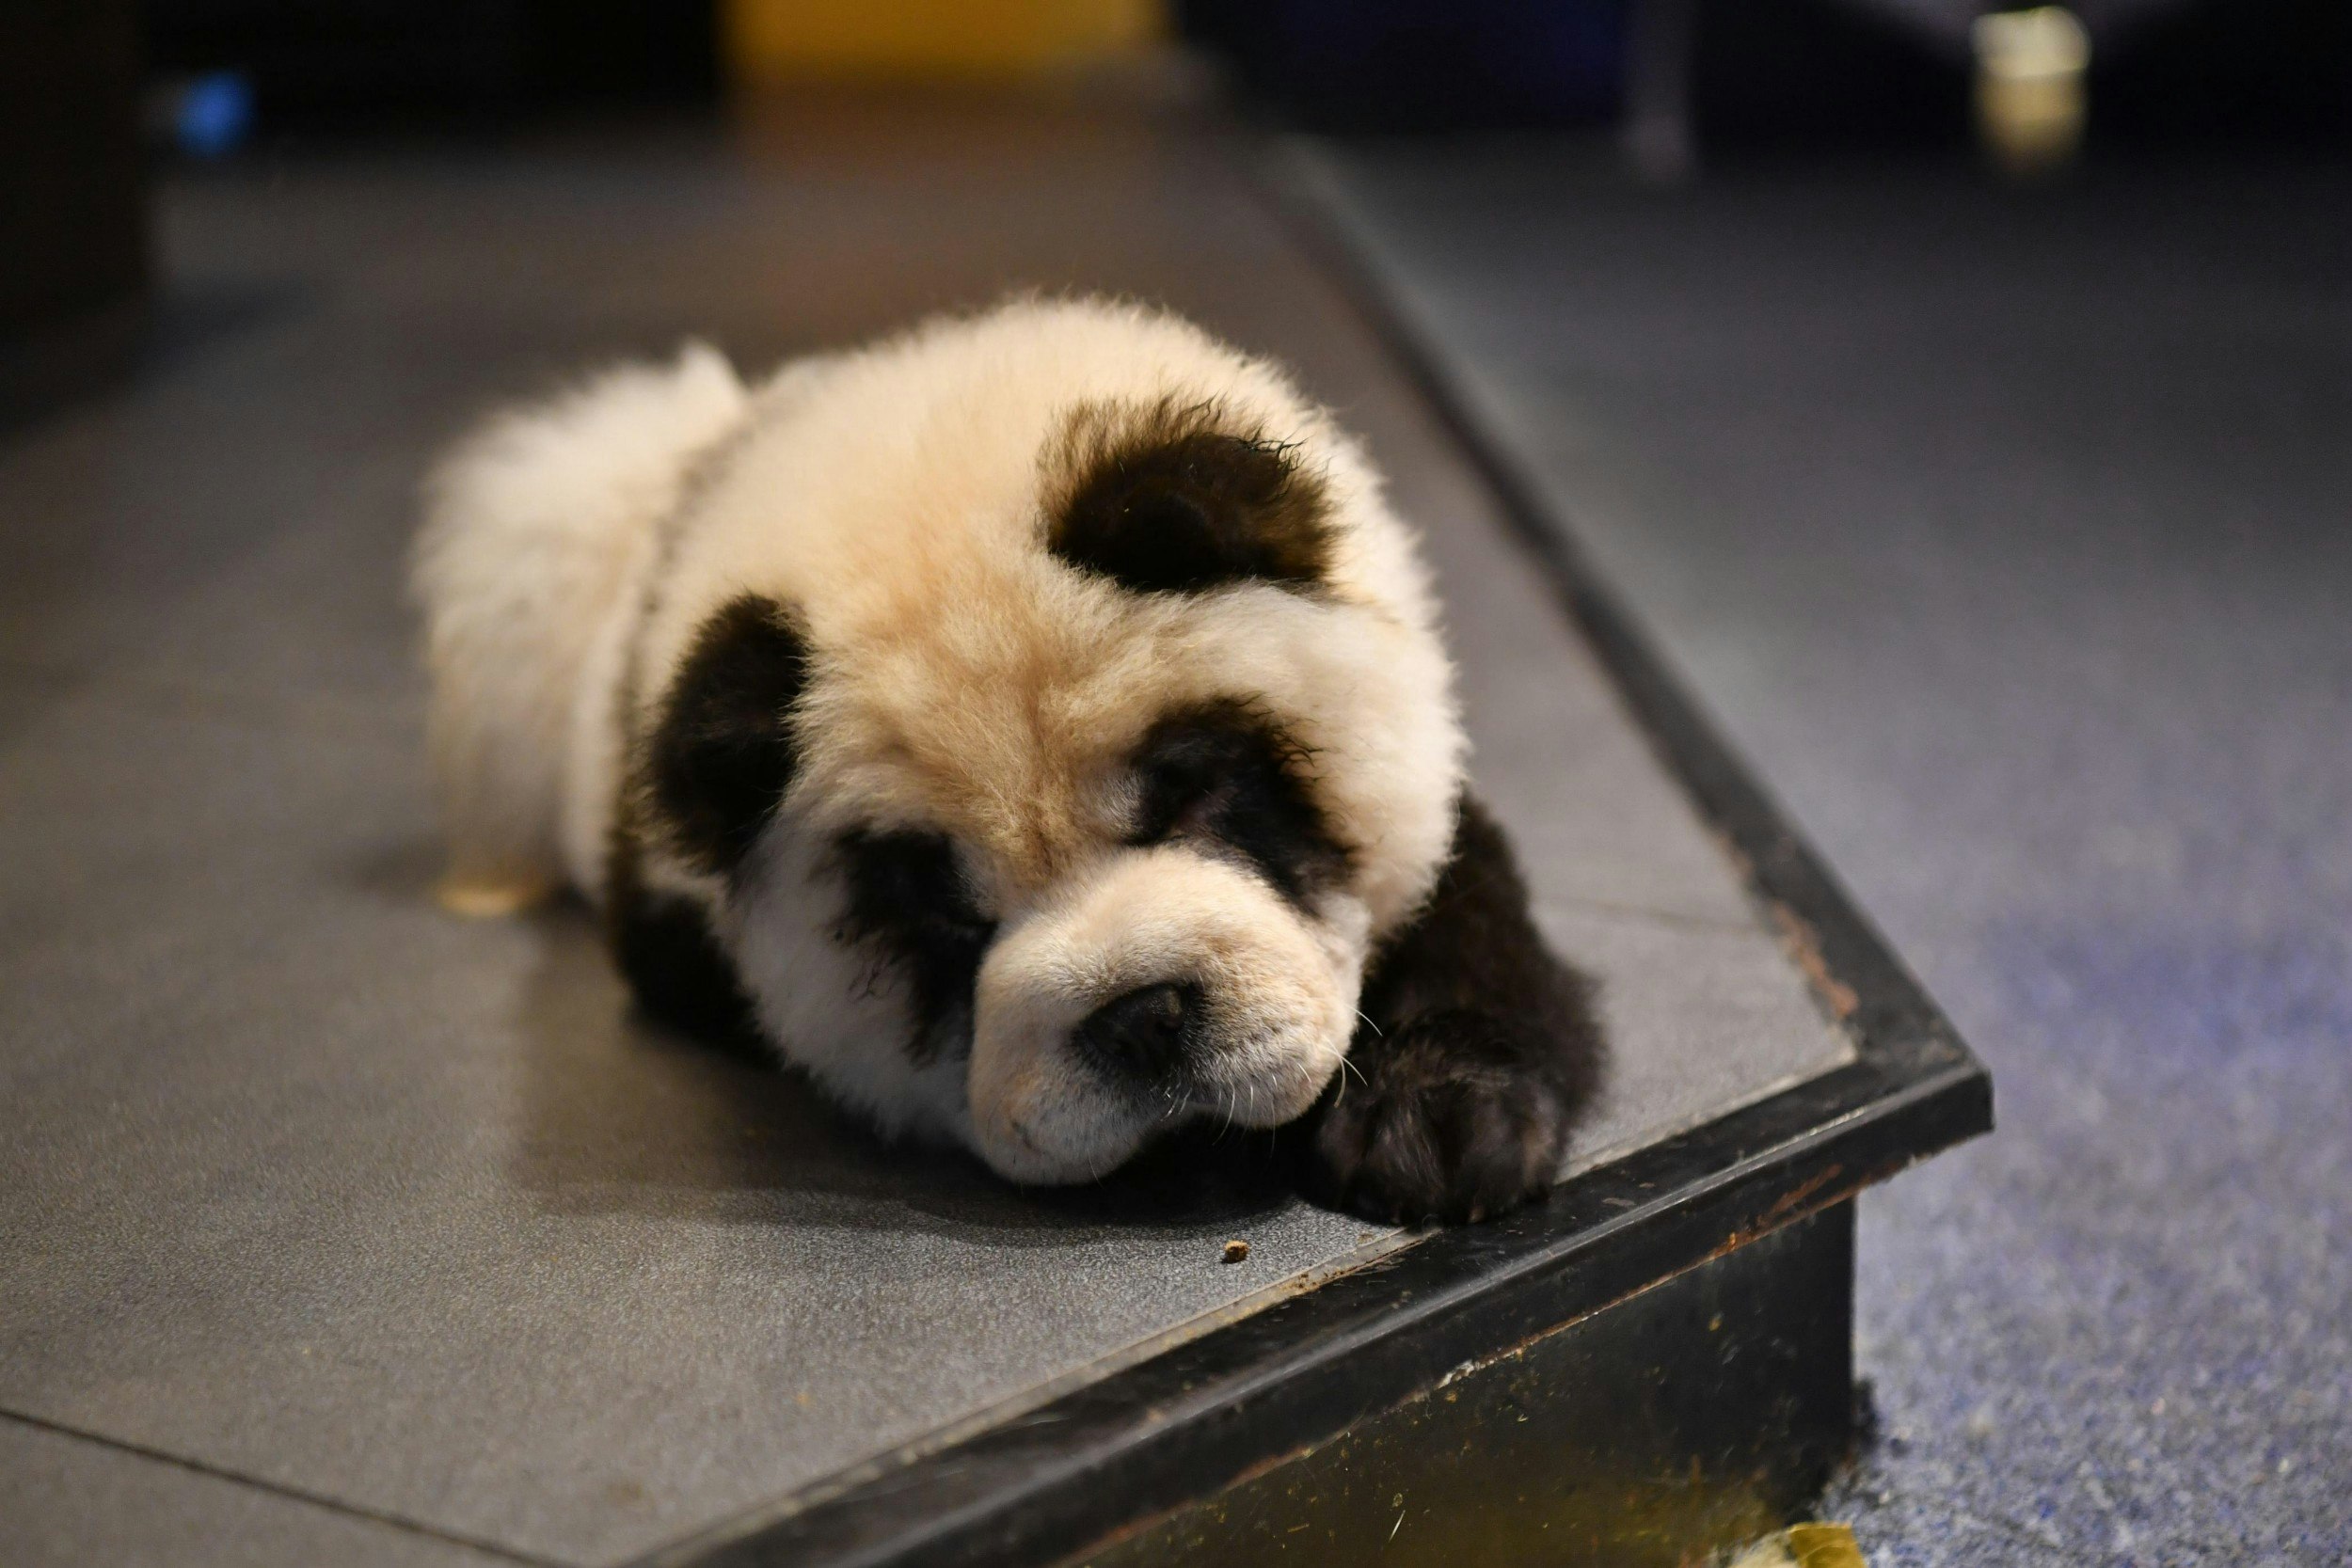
[{"x": 1456, "y": 1122}]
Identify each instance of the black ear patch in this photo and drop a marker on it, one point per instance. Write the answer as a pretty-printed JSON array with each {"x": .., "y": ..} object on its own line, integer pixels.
[
  {"x": 723, "y": 754},
  {"x": 1169, "y": 500}
]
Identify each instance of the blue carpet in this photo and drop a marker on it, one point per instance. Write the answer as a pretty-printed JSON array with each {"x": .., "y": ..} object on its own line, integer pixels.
[{"x": 2011, "y": 537}]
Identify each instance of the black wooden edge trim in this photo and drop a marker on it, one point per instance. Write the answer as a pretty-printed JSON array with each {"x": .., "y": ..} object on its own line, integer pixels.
[
  {"x": 1110, "y": 1456},
  {"x": 1114, "y": 1454}
]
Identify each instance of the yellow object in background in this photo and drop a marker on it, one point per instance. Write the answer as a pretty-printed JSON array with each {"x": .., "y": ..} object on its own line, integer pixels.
[
  {"x": 1815, "y": 1545},
  {"x": 2030, "y": 74},
  {"x": 782, "y": 40}
]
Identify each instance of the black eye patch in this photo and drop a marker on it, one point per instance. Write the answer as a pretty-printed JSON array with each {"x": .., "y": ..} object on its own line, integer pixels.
[
  {"x": 1226, "y": 775},
  {"x": 907, "y": 902},
  {"x": 1166, "y": 503}
]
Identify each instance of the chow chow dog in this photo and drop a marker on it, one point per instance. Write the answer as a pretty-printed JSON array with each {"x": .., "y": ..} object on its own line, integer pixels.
[{"x": 1036, "y": 726}]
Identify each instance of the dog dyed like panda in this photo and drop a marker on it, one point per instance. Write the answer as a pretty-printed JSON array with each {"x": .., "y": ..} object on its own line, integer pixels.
[{"x": 1035, "y": 726}]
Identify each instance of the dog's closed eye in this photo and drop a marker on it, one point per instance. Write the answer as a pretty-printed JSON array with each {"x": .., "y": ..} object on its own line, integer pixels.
[
  {"x": 1185, "y": 772},
  {"x": 1225, "y": 775},
  {"x": 908, "y": 882}
]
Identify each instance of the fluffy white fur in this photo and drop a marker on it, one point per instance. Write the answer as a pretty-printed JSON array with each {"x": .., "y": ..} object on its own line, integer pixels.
[
  {"x": 536, "y": 529},
  {"x": 965, "y": 681}
]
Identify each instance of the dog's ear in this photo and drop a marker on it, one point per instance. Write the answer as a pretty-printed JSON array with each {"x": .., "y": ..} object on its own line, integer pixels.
[
  {"x": 722, "y": 754},
  {"x": 1169, "y": 500}
]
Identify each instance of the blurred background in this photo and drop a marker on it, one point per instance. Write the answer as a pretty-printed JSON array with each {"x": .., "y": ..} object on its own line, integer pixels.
[
  {"x": 1960, "y": 395},
  {"x": 99, "y": 92}
]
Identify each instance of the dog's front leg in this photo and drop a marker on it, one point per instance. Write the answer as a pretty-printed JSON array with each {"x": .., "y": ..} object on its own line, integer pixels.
[{"x": 1476, "y": 1054}]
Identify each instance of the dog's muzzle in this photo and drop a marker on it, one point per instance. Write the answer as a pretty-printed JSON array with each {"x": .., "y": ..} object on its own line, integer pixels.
[{"x": 1163, "y": 986}]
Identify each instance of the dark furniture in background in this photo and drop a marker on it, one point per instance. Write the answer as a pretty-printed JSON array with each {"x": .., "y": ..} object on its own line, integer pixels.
[
  {"x": 73, "y": 248},
  {"x": 1778, "y": 74},
  {"x": 339, "y": 62},
  {"x": 1405, "y": 65},
  {"x": 2276, "y": 69}
]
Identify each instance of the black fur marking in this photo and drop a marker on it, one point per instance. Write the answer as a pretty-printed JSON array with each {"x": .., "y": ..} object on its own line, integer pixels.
[
  {"x": 677, "y": 969},
  {"x": 1163, "y": 500},
  {"x": 1478, "y": 1054},
  {"x": 908, "y": 903},
  {"x": 1223, "y": 774},
  {"x": 721, "y": 755},
  {"x": 1146, "y": 1041}
]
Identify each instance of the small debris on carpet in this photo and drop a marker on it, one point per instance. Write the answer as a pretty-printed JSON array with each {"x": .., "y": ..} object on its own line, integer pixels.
[
  {"x": 1236, "y": 1250},
  {"x": 1814, "y": 1546}
]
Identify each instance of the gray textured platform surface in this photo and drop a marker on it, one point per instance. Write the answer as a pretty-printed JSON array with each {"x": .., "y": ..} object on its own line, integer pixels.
[
  {"x": 2010, "y": 533},
  {"x": 303, "y": 1181},
  {"x": 69, "y": 1502}
]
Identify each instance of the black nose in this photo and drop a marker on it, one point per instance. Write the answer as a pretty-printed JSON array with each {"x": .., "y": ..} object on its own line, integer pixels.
[{"x": 1144, "y": 1039}]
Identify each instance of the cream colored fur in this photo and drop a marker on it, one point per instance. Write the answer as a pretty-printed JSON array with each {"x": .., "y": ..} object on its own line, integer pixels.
[{"x": 965, "y": 681}]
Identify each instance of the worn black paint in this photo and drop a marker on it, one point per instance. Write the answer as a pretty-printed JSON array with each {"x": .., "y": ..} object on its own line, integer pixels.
[{"x": 1701, "y": 1410}]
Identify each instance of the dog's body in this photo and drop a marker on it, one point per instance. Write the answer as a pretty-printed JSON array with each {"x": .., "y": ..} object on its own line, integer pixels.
[{"x": 1036, "y": 726}]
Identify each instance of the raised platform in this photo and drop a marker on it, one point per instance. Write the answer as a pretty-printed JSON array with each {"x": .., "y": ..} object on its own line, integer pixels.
[{"x": 338, "y": 1229}]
